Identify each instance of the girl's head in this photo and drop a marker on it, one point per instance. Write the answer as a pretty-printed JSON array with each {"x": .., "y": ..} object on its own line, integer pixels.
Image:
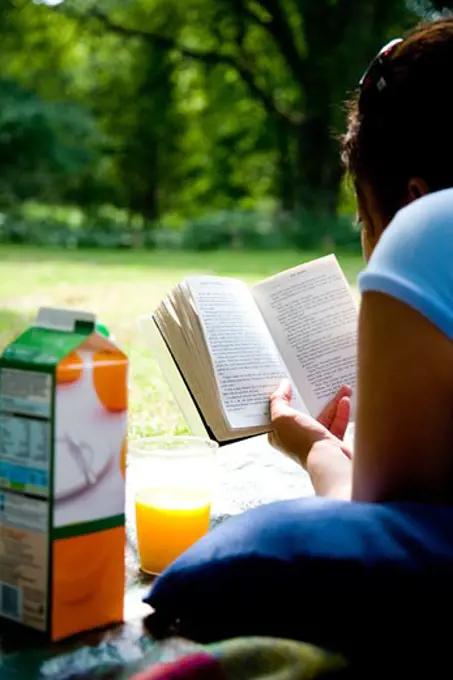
[{"x": 399, "y": 141}]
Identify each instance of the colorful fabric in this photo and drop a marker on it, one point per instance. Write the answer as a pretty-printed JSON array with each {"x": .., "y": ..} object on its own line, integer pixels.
[{"x": 251, "y": 659}]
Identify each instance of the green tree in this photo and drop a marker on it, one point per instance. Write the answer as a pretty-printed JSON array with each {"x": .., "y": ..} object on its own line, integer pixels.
[
  {"x": 148, "y": 163},
  {"x": 47, "y": 143},
  {"x": 296, "y": 58},
  {"x": 40, "y": 150},
  {"x": 163, "y": 106},
  {"x": 130, "y": 91}
]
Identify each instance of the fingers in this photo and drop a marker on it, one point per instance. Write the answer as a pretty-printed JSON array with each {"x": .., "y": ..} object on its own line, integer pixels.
[
  {"x": 346, "y": 390},
  {"x": 280, "y": 401},
  {"x": 335, "y": 417},
  {"x": 341, "y": 418},
  {"x": 271, "y": 439},
  {"x": 327, "y": 415},
  {"x": 284, "y": 390}
]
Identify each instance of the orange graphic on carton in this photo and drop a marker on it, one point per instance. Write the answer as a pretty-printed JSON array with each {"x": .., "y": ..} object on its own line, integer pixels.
[
  {"x": 70, "y": 369},
  {"x": 88, "y": 582},
  {"x": 110, "y": 380}
]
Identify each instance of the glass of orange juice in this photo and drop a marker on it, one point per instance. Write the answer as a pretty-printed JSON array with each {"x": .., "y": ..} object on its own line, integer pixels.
[{"x": 174, "y": 479}]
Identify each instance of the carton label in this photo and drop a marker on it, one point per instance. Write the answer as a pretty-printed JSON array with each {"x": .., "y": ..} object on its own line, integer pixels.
[
  {"x": 24, "y": 559},
  {"x": 25, "y": 441},
  {"x": 26, "y": 392}
]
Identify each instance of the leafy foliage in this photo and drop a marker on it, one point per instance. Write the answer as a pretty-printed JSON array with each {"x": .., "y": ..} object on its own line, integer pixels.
[
  {"x": 224, "y": 229},
  {"x": 202, "y": 112},
  {"x": 39, "y": 144}
]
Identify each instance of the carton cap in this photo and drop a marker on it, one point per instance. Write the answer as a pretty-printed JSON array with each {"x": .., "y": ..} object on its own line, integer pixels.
[{"x": 66, "y": 320}]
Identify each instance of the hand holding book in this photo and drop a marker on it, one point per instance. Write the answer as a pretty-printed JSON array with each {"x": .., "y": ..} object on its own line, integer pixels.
[
  {"x": 224, "y": 348},
  {"x": 315, "y": 444},
  {"x": 294, "y": 433}
]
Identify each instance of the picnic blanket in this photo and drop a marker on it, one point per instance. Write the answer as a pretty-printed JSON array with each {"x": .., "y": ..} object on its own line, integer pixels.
[
  {"x": 251, "y": 659},
  {"x": 123, "y": 656}
]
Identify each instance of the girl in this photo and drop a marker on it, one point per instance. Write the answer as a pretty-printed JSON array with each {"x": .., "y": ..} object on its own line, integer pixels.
[
  {"x": 366, "y": 579},
  {"x": 398, "y": 149}
]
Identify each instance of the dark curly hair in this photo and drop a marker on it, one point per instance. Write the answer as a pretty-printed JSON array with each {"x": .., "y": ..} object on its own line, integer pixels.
[{"x": 406, "y": 129}]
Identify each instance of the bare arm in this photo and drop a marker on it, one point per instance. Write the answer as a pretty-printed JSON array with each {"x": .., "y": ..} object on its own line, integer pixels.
[
  {"x": 330, "y": 470},
  {"x": 404, "y": 425}
]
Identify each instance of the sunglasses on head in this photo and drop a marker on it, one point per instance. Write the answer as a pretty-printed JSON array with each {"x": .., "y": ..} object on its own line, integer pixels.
[{"x": 376, "y": 77}]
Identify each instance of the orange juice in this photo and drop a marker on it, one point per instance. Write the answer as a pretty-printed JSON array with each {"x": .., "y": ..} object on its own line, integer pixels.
[
  {"x": 63, "y": 443},
  {"x": 168, "y": 522}
]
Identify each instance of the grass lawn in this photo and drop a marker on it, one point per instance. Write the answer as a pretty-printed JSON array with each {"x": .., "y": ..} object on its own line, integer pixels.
[{"x": 119, "y": 286}]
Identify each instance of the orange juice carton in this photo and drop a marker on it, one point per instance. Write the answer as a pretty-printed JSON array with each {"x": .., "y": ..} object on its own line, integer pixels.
[{"x": 63, "y": 419}]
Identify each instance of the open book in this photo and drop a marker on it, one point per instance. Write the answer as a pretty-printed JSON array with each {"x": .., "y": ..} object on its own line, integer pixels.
[{"x": 224, "y": 347}]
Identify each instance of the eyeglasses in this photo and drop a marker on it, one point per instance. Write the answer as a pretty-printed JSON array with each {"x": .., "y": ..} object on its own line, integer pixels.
[{"x": 376, "y": 77}]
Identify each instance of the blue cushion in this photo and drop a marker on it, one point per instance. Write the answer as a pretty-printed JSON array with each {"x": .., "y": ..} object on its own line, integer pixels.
[{"x": 345, "y": 576}]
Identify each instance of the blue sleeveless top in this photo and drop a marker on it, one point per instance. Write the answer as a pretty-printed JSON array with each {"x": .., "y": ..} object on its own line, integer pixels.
[{"x": 413, "y": 260}]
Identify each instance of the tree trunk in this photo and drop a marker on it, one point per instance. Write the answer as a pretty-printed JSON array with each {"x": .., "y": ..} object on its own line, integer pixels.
[
  {"x": 285, "y": 181},
  {"x": 150, "y": 204},
  {"x": 318, "y": 165}
]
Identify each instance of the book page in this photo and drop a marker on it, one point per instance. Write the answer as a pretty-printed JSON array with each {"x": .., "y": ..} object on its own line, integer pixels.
[
  {"x": 312, "y": 316},
  {"x": 172, "y": 375},
  {"x": 247, "y": 364}
]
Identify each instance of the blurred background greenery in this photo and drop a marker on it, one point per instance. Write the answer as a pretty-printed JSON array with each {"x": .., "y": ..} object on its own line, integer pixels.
[
  {"x": 135, "y": 131},
  {"x": 196, "y": 124}
]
